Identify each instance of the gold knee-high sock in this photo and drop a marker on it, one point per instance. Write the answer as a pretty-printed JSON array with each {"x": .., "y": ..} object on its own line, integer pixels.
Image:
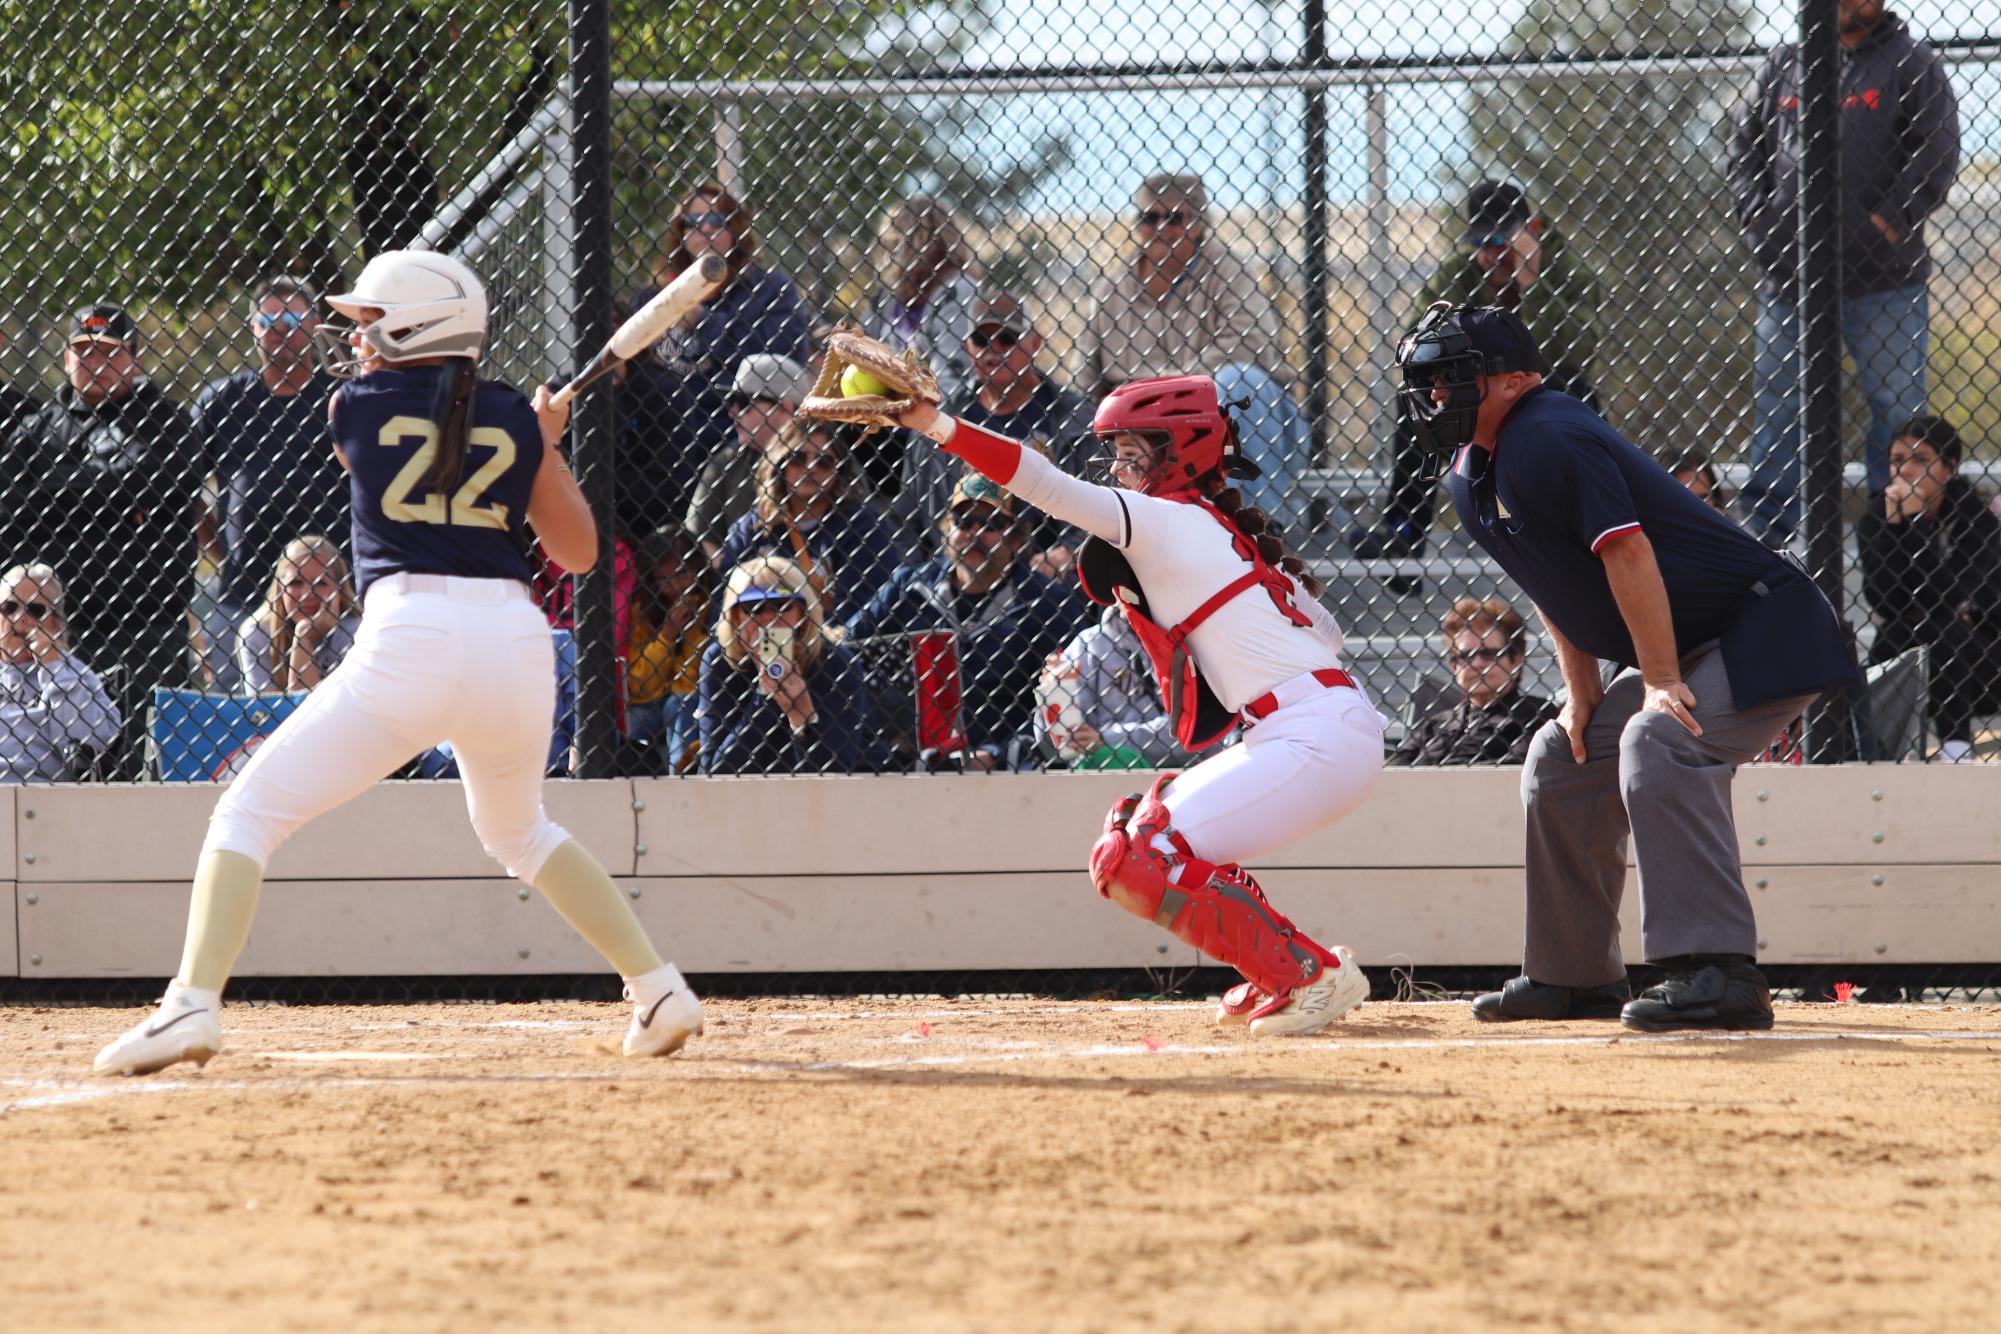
[
  {"x": 573, "y": 881},
  {"x": 225, "y": 901}
]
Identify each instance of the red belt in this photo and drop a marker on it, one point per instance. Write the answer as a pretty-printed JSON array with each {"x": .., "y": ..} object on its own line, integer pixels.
[{"x": 1330, "y": 677}]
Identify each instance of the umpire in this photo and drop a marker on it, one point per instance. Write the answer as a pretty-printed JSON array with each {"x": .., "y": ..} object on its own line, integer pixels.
[{"x": 1719, "y": 644}]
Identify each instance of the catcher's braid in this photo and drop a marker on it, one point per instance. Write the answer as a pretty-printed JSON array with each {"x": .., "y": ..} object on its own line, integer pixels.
[{"x": 905, "y": 379}]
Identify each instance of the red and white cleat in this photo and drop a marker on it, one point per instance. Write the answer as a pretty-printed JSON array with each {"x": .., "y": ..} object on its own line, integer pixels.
[{"x": 1311, "y": 1008}]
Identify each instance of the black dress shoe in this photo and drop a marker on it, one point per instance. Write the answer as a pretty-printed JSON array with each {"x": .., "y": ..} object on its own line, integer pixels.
[
  {"x": 1526, "y": 998},
  {"x": 1703, "y": 994}
]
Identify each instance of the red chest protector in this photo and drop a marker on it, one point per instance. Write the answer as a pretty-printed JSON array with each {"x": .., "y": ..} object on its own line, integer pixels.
[{"x": 1200, "y": 720}]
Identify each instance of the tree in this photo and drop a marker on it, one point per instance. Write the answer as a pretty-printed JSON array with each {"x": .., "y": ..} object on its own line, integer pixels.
[{"x": 1631, "y": 165}]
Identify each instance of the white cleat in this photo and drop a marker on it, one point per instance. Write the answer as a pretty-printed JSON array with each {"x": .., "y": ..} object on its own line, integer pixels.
[
  {"x": 1309, "y": 1009},
  {"x": 663, "y": 1023},
  {"x": 186, "y": 1027}
]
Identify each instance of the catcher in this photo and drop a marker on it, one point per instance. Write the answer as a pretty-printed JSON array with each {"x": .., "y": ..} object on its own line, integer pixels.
[{"x": 1235, "y": 636}]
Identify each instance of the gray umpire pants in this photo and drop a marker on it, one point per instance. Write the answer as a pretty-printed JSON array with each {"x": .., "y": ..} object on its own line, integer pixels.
[{"x": 1645, "y": 774}]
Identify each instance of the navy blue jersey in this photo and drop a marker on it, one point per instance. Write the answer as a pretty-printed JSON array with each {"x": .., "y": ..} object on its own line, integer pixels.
[
  {"x": 1559, "y": 485},
  {"x": 383, "y": 425}
]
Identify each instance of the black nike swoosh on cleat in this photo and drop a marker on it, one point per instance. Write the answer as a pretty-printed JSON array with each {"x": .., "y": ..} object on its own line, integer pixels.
[
  {"x": 647, "y": 1022},
  {"x": 186, "y": 1014}
]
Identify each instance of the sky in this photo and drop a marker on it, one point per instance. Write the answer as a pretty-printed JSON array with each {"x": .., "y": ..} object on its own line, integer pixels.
[{"x": 1248, "y": 144}]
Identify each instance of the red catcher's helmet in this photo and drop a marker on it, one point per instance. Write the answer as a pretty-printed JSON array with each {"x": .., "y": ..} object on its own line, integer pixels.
[{"x": 1183, "y": 409}]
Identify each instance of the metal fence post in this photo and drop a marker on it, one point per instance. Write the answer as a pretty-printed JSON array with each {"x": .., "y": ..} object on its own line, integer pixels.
[
  {"x": 1313, "y": 52},
  {"x": 593, "y": 429},
  {"x": 1820, "y": 331}
]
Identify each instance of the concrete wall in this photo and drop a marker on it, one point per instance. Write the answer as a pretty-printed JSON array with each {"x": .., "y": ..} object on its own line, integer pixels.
[{"x": 1848, "y": 864}]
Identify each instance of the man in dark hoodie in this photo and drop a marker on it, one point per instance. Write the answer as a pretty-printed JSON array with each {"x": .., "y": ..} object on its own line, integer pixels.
[
  {"x": 1510, "y": 256},
  {"x": 1931, "y": 570},
  {"x": 103, "y": 485},
  {"x": 1899, "y": 129}
]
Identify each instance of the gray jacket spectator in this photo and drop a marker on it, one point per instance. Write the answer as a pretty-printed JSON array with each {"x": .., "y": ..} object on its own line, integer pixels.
[
  {"x": 306, "y": 623},
  {"x": 764, "y": 394},
  {"x": 926, "y": 297},
  {"x": 1899, "y": 155},
  {"x": 1118, "y": 721},
  {"x": 50, "y": 703}
]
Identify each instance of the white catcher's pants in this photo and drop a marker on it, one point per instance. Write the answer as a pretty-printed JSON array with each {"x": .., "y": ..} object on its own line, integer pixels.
[
  {"x": 1303, "y": 766},
  {"x": 438, "y": 658}
]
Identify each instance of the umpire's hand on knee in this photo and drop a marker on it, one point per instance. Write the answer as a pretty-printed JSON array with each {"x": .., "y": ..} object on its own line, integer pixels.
[
  {"x": 1673, "y": 697},
  {"x": 1574, "y": 717}
]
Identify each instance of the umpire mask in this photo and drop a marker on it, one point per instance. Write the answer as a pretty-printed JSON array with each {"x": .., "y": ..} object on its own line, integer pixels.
[{"x": 1435, "y": 355}]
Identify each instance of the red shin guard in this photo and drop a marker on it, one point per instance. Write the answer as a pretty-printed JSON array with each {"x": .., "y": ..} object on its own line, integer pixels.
[{"x": 1218, "y": 909}]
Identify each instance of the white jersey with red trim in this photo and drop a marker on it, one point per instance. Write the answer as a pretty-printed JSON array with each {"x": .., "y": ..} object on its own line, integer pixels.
[{"x": 1182, "y": 556}]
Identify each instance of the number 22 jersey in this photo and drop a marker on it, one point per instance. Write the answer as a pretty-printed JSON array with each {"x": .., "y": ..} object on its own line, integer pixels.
[{"x": 477, "y": 530}]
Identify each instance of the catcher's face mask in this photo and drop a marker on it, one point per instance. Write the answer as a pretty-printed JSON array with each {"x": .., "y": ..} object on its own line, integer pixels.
[
  {"x": 1131, "y": 459},
  {"x": 1441, "y": 384}
]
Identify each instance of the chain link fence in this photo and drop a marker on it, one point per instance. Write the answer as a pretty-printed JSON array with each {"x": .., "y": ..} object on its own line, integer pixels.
[{"x": 1045, "y": 203}]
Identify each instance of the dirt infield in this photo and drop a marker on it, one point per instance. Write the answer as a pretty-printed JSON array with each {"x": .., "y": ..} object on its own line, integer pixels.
[{"x": 1003, "y": 1165}]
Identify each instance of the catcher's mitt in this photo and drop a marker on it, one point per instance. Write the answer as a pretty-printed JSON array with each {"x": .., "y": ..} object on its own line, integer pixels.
[{"x": 902, "y": 373}]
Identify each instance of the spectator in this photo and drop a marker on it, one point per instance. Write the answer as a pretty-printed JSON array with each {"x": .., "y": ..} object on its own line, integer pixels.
[
  {"x": 1014, "y": 398},
  {"x": 1693, "y": 469},
  {"x": 764, "y": 394},
  {"x": 108, "y": 472},
  {"x": 1100, "y": 708},
  {"x": 1007, "y": 618},
  {"x": 306, "y": 623},
  {"x": 1931, "y": 570},
  {"x": 50, "y": 703},
  {"x": 809, "y": 509},
  {"x": 264, "y": 431},
  {"x": 778, "y": 695},
  {"x": 1495, "y": 719},
  {"x": 926, "y": 297},
  {"x": 1512, "y": 256},
  {"x": 555, "y": 591},
  {"x": 1899, "y": 131},
  {"x": 755, "y": 310},
  {"x": 663, "y": 664},
  {"x": 1189, "y": 305}
]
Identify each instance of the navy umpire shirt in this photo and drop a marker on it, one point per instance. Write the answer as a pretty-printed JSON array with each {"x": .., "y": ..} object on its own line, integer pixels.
[{"x": 1560, "y": 484}]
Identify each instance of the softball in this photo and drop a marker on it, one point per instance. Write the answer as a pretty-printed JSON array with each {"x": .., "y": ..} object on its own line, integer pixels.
[{"x": 858, "y": 383}]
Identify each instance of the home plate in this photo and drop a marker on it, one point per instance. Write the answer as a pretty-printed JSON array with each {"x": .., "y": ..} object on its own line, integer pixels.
[{"x": 350, "y": 1055}]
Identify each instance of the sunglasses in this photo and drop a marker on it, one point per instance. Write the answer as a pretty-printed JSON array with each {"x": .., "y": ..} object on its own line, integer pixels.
[
  {"x": 1163, "y": 217},
  {"x": 1491, "y": 241},
  {"x": 825, "y": 464},
  {"x": 1478, "y": 657},
  {"x": 704, "y": 220},
  {"x": 285, "y": 319},
  {"x": 998, "y": 338},
  {"x": 11, "y": 607},
  {"x": 982, "y": 521}
]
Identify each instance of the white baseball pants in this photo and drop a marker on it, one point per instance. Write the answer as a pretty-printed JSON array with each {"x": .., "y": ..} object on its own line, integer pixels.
[
  {"x": 439, "y": 658},
  {"x": 1307, "y": 764}
]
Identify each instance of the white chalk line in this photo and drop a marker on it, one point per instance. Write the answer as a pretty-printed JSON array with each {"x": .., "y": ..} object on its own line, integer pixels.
[{"x": 57, "y": 1093}]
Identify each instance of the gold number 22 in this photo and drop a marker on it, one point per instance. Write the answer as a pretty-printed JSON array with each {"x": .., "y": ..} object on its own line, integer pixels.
[{"x": 465, "y": 509}]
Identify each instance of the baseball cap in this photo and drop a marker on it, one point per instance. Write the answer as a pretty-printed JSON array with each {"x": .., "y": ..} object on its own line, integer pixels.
[
  {"x": 1494, "y": 208},
  {"x": 104, "y": 322},
  {"x": 1002, "y": 310},
  {"x": 778, "y": 594},
  {"x": 1499, "y": 335},
  {"x": 768, "y": 375},
  {"x": 978, "y": 489}
]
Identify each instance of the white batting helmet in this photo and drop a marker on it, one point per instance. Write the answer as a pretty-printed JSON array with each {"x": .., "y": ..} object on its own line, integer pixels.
[{"x": 432, "y": 306}]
